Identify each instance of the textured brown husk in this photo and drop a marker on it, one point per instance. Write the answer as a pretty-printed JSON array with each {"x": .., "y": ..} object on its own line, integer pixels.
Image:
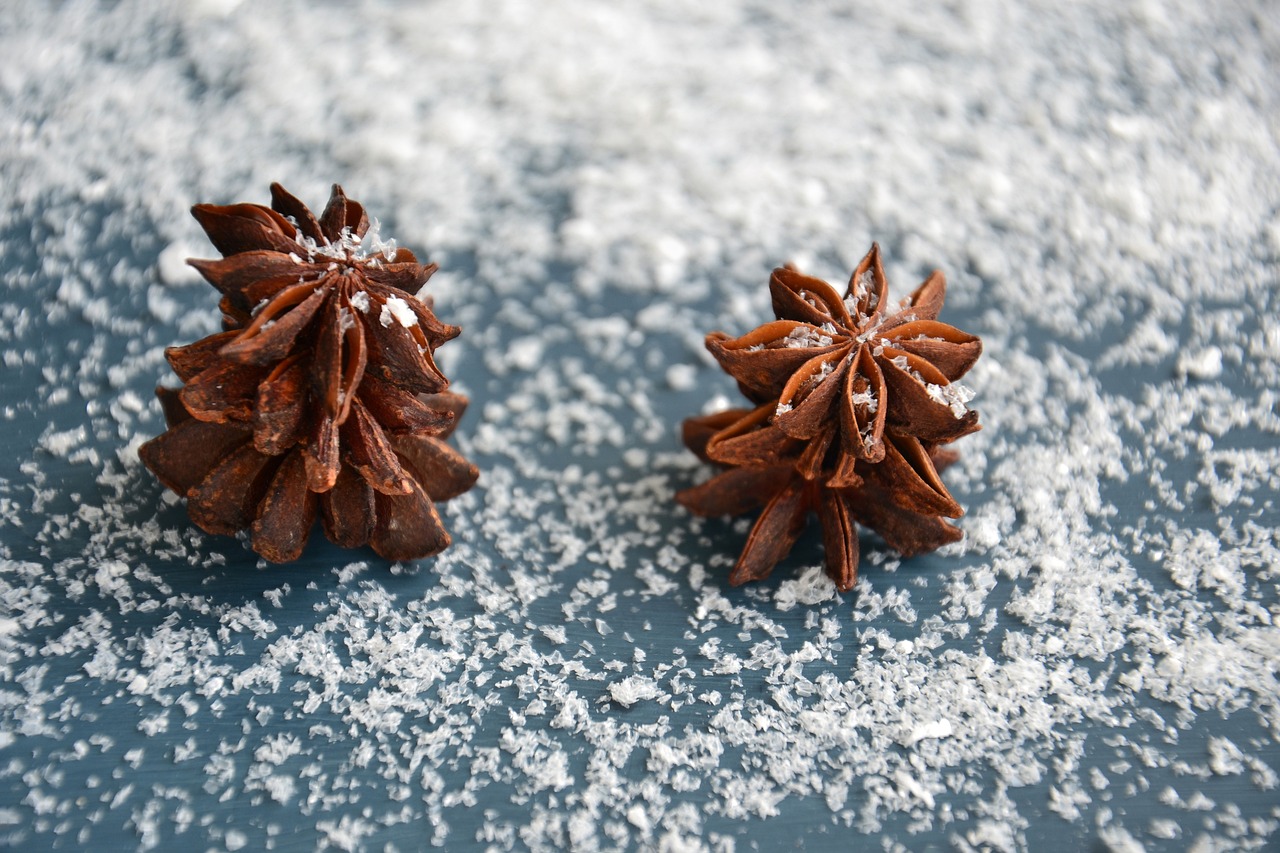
[
  {"x": 321, "y": 396},
  {"x": 851, "y": 407}
]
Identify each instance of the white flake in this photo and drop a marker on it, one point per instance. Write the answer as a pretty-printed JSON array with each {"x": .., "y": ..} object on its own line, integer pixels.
[
  {"x": 1201, "y": 364},
  {"x": 360, "y": 301},
  {"x": 633, "y": 689},
  {"x": 803, "y": 336},
  {"x": 682, "y": 377},
  {"x": 397, "y": 310},
  {"x": 953, "y": 394},
  {"x": 933, "y": 729}
]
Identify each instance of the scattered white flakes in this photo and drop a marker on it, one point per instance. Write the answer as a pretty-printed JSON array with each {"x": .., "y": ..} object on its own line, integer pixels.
[
  {"x": 172, "y": 264},
  {"x": 360, "y": 301},
  {"x": 811, "y": 588},
  {"x": 573, "y": 673},
  {"x": 397, "y": 310},
  {"x": 868, "y": 398},
  {"x": 633, "y": 689},
  {"x": 1225, "y": 758},
  {"x": 655, "y": 582},
  {"x": 525, "y": 353},
  {"x": 1201, "y": 364},
  {"x": 716, "y": 403},
  {"x": 953, "y": 395},
  {"x": 637, "y": 817},
  {"x": 63, "y": 442},
  {"x": 281, "y": 789},
  {"x": 162, "y": 306},
  {"x": 933, "y": 729},
  {"x": 802, "y": 336},
  {"x": 1068, "y": 799},
  {"x": 1117, "y": 839},
  {"x": 347, "y": 833},
  {"x": 369, "y": 248},
  {"x": 909, "y": 786},
  {"x": 346, "y": 320},
  {"x": 1148, "y": 343},
  {"x": 682, "y": 377}
]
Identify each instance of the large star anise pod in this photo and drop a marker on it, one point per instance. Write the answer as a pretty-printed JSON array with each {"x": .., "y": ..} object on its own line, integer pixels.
[
  {"x": 855, "y": 397},
  {"x": 320, "y": 392}
]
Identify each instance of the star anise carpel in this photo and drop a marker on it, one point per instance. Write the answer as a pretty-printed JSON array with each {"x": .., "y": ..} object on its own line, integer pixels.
[
  {"x": 855, "y": 397},
  {"x": 321, "y": 394}
]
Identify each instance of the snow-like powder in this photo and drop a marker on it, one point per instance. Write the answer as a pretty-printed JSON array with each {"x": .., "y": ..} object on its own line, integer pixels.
[{"x": 1095, "y": 666}]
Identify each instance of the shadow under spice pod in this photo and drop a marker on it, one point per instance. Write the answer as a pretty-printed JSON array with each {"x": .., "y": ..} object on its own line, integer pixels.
[
  {"x": 854, "y": 398},
  {"x": 321, "y": 396}
]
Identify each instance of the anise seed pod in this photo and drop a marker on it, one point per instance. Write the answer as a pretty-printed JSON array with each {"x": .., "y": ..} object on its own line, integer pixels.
[
  {"x": 854, "y": 397},
  {"x": 321, "y": 395}
]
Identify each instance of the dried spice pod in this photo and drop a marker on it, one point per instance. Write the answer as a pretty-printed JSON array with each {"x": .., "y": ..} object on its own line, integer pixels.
[
  {"x": 855, "y": 397},
  {"x": 321, "y": 397}
]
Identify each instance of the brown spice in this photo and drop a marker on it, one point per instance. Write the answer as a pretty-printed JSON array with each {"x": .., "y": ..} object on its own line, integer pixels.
[
  {"x": 321, "y": 395},
  {"x": 855, "y": 397}
]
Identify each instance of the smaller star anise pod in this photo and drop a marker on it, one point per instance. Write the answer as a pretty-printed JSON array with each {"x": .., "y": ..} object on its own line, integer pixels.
[
  {"x": 845, "y": 367},
  {"x": 320, "y": 392},
  {"x": 855, "y": 396}
]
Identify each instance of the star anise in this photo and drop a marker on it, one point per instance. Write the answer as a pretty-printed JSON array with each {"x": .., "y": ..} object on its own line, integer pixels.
[
  {"x": 321, "y": 394},
  {"x": 855, "y": 397}
]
